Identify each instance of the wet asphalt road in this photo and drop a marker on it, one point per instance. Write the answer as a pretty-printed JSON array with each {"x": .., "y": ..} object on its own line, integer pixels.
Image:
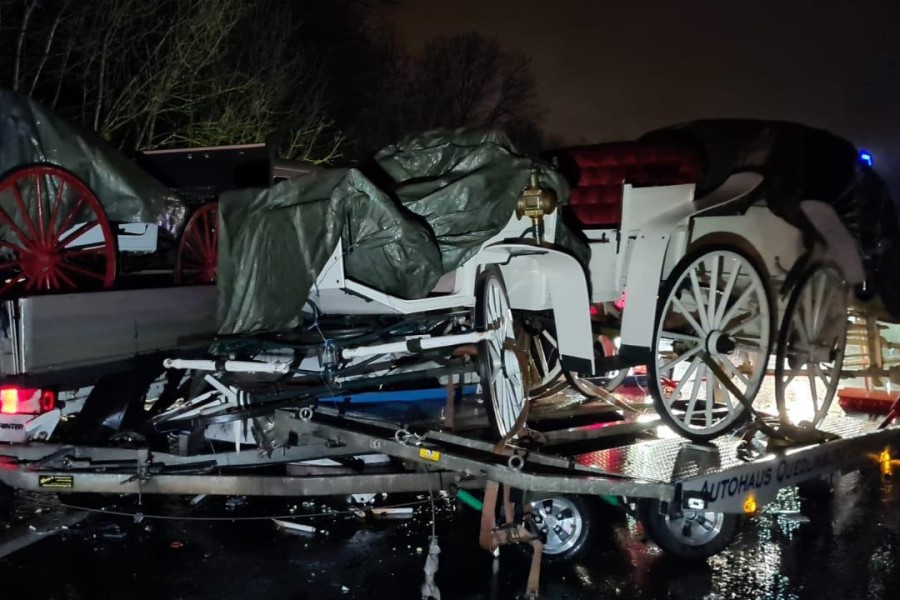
[{"x": 841, "y": 546}]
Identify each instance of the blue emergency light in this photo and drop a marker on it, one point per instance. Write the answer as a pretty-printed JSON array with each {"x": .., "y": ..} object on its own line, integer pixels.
[{"x": 865, "y": 157}]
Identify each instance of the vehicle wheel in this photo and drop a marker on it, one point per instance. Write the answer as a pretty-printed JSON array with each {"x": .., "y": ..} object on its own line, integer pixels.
[
  {"x": 196, "y": 262},
  {"x": 810, "y": 350},
  {"x": 539, "y": 343},
  {"x": 499, "y": 367},
  {"x": 694, "y": 534},
  {"x": 588, "y": 385},
  {"x": 55, "y": 234},
  {"x": 730, "y": 327},
  {"x": 567, "y": 523}
]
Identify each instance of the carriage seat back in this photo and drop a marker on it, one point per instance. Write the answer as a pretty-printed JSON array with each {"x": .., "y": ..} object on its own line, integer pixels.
[{"x": 597, "y": 174}]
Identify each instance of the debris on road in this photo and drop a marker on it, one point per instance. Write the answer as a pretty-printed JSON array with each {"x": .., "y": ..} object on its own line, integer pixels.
[{"x": 294, "y": 527}]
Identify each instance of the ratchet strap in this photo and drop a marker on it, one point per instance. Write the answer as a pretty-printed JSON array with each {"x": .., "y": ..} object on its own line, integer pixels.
[
  {"x": 492, "y": 537},
  {"x": 519, "y": 425},
  {"x": 785, "y": 434}
]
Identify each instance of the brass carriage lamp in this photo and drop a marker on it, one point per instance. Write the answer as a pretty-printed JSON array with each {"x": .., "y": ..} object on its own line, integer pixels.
[{"x": 535, "y": 203}]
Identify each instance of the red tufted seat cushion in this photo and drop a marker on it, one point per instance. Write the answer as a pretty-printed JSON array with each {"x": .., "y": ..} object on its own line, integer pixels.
[{"x": 598, "y": 172}]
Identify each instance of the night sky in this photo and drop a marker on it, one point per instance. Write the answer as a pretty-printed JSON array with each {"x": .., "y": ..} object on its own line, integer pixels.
[{"x": 610, "y": 70}]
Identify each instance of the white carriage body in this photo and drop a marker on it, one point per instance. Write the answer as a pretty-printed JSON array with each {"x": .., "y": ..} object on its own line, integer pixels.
[
  {"x": 537, "y": 278},
  {"x": 659, "y": 225}
]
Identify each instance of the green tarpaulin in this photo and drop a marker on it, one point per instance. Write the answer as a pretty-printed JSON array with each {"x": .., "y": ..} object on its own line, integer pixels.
[
  {"x": 418, "y": 210},
  {"x": 30, "y": 133}
]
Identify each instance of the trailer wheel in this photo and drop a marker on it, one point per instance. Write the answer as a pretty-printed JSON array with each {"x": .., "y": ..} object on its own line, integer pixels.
[
  {"x": 196, "y": 262},
  {"x": 810, "y": 350},
  {"x": 714, "y": 306},
  {"x": 499, "y": 367},
  {"x": 691, "y": 535},
  {"x": 567, "y": 523},
  {"x": 56, "y": 236}
]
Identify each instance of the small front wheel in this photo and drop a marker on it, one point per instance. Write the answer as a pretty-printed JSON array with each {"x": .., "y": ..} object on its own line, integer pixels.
[{"x": 689, "y": 534}]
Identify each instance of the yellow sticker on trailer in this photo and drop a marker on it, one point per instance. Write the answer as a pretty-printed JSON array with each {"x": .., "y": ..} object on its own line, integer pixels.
[
  {"x": 432, "y": 455},
  {"x": 57, "y": 482}
]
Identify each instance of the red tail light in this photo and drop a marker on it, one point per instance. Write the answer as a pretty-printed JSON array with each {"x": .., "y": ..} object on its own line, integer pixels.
[{"x": 26, "y": 401}]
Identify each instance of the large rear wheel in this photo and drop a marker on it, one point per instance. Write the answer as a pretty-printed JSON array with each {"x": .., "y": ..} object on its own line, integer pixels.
[
  {"x": 54, "y": 234},
  {"x": 712, "y": 339}
]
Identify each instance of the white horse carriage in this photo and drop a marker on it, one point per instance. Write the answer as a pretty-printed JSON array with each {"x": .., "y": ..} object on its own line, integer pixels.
[{"x": 710, "y": 288}]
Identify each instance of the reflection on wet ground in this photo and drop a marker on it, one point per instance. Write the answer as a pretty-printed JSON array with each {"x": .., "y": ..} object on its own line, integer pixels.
[{"x": 841, "y": 546}]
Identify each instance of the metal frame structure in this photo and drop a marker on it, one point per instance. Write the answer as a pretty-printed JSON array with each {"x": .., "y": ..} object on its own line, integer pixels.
[{"x": 727, "y": 476}]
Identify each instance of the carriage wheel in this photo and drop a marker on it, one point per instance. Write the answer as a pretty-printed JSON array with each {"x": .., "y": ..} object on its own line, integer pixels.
[
  {"x": 543, "y": 352},
  {"x": 591, "y": 387},
  {"x": 502, "y": 380},
  {"x": 810, "y": 351},
  {"x": 198, "y": 249},
  {"x": 714, "y": 310},
  {"x": 55, "y": 234},
  {"x": 545, "y": 370}
]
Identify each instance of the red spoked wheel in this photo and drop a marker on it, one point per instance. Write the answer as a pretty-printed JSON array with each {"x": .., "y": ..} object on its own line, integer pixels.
[
  {"x": 197, "y": 250},
  {"x": 54, "y": 234}
]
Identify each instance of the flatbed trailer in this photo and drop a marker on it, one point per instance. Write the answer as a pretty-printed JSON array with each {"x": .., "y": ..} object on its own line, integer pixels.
[{"x": 689, "y": 496}]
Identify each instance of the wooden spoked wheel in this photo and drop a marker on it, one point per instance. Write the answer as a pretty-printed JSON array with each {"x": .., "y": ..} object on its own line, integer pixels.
[
  {"x": 197, "y": 251},
  {"x": 713, "y": 333},
  {"x": 499, "y": 367},
  {"x": 810, "y": 351},
  {"x": 54, "y": 234}
]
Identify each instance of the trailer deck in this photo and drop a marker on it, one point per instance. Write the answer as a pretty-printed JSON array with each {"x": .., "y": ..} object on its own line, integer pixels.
[{"x": 722, "y": 476}]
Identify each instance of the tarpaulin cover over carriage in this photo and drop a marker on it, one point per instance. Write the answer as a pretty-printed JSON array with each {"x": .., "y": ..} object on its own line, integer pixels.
[
  {"x": 67, "y": 198},
  {"x": 419, "y": 210},
  {"x": 31, "y": 134}
]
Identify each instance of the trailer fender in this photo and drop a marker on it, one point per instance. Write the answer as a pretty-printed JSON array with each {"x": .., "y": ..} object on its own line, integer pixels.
[{"x": 541, "y": 278}]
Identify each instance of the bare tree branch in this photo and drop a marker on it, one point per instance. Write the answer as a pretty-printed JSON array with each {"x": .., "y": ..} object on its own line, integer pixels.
[
  {"x": 47, "y": 46},
  {"x": 23, "y": 29}
]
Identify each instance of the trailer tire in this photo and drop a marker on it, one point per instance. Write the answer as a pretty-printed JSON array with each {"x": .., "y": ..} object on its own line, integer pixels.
[
  {"x": 674, "y": 534},
  {"x": 577, "y": 514}
]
